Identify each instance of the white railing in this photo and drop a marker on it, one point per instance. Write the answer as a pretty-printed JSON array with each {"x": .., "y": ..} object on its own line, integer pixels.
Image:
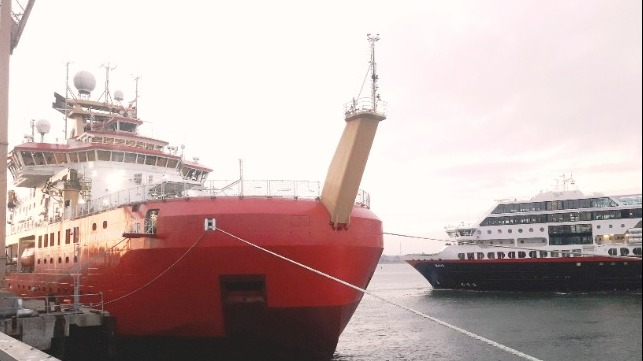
[{"x": 214, "y": 188}]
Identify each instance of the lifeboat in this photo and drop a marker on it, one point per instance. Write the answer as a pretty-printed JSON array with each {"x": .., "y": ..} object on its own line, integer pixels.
[{"x": 28, "y": 257}]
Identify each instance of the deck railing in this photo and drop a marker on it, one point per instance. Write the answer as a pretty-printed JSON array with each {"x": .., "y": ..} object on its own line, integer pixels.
[{"x": 172, "y": 190}]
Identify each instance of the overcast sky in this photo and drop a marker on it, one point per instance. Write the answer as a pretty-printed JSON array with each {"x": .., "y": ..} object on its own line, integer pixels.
[{"x": 486, "y": 99}]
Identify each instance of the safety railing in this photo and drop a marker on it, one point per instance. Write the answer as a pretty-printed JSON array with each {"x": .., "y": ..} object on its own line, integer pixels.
[{"x": 172, "y": 190}]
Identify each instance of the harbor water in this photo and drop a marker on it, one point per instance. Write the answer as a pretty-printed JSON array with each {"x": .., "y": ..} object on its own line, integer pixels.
[
  {"x": 514, "y": 326},
  {"x": 402, "y": 318}
]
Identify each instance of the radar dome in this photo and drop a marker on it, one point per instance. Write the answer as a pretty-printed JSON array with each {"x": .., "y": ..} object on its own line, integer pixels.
[
  {"x": 118, "y": 95},
  {"x": 85, "y": 82},
  {"x": 42, "y": 126}
]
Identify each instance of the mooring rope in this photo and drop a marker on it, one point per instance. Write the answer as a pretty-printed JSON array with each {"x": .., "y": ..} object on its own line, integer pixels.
[
  {"x": 159, "y": 275},
  {"x": 364, "y": 291}
]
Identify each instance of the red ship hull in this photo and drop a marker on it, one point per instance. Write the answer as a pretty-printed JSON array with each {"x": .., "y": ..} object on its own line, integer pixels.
[{"x": 185, "y": 283}]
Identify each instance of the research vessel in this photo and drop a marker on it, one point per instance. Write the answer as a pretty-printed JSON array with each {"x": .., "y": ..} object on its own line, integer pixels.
[{"x": 126, "y": 223}]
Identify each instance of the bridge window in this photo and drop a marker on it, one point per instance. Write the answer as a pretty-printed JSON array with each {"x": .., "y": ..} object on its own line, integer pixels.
[
  {"x": 150, "y": 160},
  {"x": 130, "y": 157},
  {"x": 104, "y": 155},
  {"x": 39, "y": 158},
  {"x": 172, "y": 163}
]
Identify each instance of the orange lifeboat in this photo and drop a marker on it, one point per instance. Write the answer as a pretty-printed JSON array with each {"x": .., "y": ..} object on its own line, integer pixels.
[{"x": 28, "y": 257}]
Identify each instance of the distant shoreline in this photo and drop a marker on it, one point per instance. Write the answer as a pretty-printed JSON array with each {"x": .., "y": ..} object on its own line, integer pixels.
[{"x": 391, "y": 259}]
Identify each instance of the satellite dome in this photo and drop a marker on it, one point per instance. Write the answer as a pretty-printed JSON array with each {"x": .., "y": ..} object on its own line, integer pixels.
[
  {"x": 42, "y": 126},
  {"x": 118, "y": 95},
  {"x": 85, "y": 82}
]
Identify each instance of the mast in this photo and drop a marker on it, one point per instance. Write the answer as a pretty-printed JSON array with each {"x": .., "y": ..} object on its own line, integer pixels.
[
  {"x": 374, "y": 96},
  {"x": 347, "y": 166}
]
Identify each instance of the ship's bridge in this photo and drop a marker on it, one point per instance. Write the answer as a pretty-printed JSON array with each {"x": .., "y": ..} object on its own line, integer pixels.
[{"x": 32, "y": 164}]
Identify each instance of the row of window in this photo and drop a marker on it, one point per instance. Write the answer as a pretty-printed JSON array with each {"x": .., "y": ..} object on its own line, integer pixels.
[
  {"x": 125, "y": 142},
  {"x": 31, "y": 158},
  {"x": 60, "y": 260},
  {"x": 623, "y": 251},
  {"x": 555, "y": 205},
  {"x": 48, "y": 240},
  {"x": 562, "y": 217}
]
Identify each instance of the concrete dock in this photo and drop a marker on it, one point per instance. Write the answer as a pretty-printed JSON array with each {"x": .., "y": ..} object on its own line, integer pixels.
[{"x": 28, "y": 328}]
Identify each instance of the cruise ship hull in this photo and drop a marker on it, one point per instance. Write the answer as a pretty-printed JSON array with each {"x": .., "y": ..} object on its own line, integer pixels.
[
  {"x": 573, "y": 274},
  {"x": 219, "y": 287}
]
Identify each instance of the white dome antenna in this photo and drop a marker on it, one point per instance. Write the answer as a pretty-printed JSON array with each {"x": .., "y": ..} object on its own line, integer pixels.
[
  {"x": 43, "y": 127},
  {"x": 85, "y": 82}
]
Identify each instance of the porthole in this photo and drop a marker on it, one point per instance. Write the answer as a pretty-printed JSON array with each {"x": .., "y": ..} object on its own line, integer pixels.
[
  {"x": 500, "y": 231},
  {"x": 598, "y": 227},
  {"x": 104, "y": 224},
  {"x": 531, "y": 229},
  {"x": 51, "y": 260},
  {"x": 622, "y": 225},
  {"x": 510, "y": 230},
  {"x": 44, "y": 261},
  {"x": 542, "y": 229},
  {"x": 93, "y": 226},
  {"x": 60, "y": 260},
  {"x": 519, "y": 230},
  {"x": 489, "y": 231},
  {"x": 67, "y": 259},
  {"x": 610, "y": 226}
]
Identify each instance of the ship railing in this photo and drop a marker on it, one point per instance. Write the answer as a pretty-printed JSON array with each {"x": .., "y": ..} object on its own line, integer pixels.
[
  {"x": 365, "y": 105},
  {"x": 215, "y": 188},
  {"x": 171, "y": 190}
]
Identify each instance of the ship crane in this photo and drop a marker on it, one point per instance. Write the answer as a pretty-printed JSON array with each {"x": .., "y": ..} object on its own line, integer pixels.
[{"x": 12, "y": 24}]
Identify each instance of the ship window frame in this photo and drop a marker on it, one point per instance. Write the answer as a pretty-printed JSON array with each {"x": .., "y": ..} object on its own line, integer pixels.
[
  {"x": 39, "y": 158},
  {"x": 91, "y": 155},
  {"x": 150, "y": 160},
  {"x": 130, "y": 157},
  {"x": 118, "y": 157},
  {"x": 27, "y": 158},
  {"x": 103, "y": 155},
  {"x": 73, "y": 157}
]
